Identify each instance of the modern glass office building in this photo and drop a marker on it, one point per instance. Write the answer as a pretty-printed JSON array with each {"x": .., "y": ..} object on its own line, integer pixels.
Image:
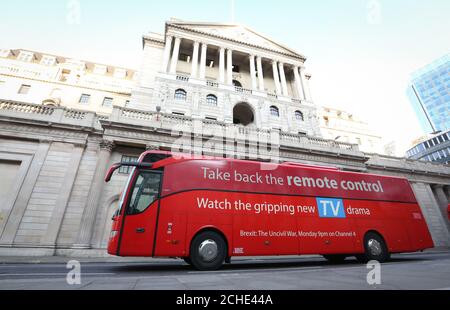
[
  {"x": 429, "y": 94},
  {"x": 435, "y": 149}
]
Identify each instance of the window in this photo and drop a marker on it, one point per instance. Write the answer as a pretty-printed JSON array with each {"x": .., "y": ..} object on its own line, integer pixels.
[
  {"x": 48, "y": 60},
  {"x": 107, "y": 102},
  {"x": 299, "y": 116},
  {"x": 4, "y": 53},
  {"x": 24, "y": 89},
  {"x": 236, "y": 69},
  {"x": 211, "y": 100},
  {"x": 184, "y": 57},
  {"x": 145, "y": 192},
  {"x": 100, "y": 69},
  {"x": 274, "y": 111},
  {"x": 180, "y": 94},
  {"x": 210, "y": 63},
  {"x": 25, "y": 56},
  {"x": 85, "y": 98},
  {"x": 127, "y": 159},
  {"x": 120, "y": 73}
]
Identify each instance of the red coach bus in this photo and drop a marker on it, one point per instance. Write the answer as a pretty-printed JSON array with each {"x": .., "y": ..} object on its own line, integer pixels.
[{"x": 207, "y": 210}]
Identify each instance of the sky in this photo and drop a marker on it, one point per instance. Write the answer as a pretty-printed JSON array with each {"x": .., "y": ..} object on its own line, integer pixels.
[{"x": 360, "y": 52}]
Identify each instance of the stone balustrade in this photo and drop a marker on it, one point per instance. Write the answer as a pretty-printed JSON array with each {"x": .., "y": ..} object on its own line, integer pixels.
[
  {"x": 49, "y": 114},
  {"x": 168, "y": 122},
  {"x": 182, "y": 78}
]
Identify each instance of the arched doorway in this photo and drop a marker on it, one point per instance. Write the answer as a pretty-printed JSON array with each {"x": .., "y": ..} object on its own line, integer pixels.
[{"x": 243, "y": 114}]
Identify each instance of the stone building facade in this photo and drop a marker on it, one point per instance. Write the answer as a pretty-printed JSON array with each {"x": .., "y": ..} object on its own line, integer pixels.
[
  {"x": 53, "y": 158},
  {"x": 346, "y": 127},
  {"x": 40, "y": 78},
  {"x": 226, "y": 73}
]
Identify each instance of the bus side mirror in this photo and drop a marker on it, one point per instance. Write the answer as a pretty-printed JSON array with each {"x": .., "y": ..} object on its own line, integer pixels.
[{"x": 111, "y": 171}]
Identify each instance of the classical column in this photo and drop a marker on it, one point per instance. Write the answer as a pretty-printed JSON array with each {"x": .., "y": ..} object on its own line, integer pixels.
[
  {"x": 283, "y": 79},
  {"x": 222, "y": 65},
  {"x": 175, "y": 55},
  {"x": 276, "y": 77},
  {"x": 253, "y": 72},
  {"x": 298, "y": 83},
  {"x": 229, "y": 67},
  {"x": 443, "y": 202},
  {"x": 166, "y": 55},
  {"x": 260, "y": 73},
  {"x": 90, "y": 211},
  {"x": 203, "y": 61},
  {"x": 305, "y": 85},
  {"x": 195, "y": 60},
  {"x": 67, "y": 185}
]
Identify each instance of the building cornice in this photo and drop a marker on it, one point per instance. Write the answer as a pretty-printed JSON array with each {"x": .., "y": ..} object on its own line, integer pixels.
[{"x": 152, "y": 40}]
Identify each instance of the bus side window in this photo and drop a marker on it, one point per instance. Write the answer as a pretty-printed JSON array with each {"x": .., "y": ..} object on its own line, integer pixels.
[{"x": 145, "y": 192}]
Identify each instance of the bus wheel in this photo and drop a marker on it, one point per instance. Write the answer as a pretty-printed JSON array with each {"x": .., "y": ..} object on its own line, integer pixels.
[
  {"x": 335, "y": 258},
  {"x": 375, "y": 249},
  {"x": 208, "y": 251}
]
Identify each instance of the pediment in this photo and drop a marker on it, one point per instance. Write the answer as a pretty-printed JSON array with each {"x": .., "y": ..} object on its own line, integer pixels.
[{"x": 238, "y": 33}]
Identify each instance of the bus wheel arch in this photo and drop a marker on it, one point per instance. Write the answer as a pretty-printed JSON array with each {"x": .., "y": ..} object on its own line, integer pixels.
[
  {"x": 208, "y": 249},
  {"x": 375, "y": 247}
]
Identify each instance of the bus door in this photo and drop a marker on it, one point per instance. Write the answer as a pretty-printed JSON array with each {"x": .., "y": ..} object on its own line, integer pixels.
[{"x": 141, "y": 214}]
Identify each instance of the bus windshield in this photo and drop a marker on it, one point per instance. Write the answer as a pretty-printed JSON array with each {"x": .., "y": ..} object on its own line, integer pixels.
[
  {"x": 145, "y": 192},
  {"x": 124, "y": 193}
]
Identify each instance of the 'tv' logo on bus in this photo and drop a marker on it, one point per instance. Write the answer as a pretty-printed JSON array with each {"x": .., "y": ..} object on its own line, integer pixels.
[{"x": 331, "y": 208}]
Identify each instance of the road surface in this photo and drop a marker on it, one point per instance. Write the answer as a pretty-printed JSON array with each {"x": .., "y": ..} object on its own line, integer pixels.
[{"x": 406, "y": 271}]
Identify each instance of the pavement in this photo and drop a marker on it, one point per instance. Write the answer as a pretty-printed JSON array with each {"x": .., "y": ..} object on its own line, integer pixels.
[{"x": 415, "y": 271}]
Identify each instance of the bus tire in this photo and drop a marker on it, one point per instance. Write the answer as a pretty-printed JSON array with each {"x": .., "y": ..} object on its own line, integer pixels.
[
  {"x": 375, "y": 249},
  {"x": 208, "y": 251},
  {"x": 335, "y": 258}
]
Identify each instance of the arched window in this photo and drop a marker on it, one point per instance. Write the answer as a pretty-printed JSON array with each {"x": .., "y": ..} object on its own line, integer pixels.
[
  {"x": 274, "y": 111},
  {"x": 211, "y": 100},
  {"x": 299, "y": 116},
  {"x": 180, "y": 94}
]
